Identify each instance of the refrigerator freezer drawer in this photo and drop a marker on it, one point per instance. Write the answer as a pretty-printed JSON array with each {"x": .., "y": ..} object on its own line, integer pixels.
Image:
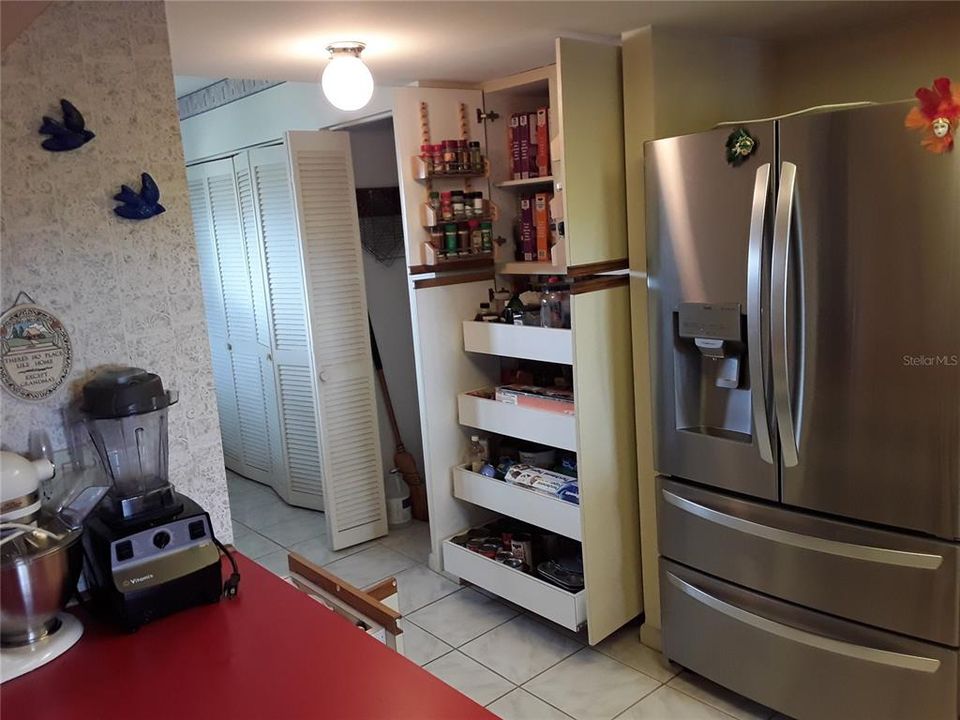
[
  {"x": 804, "y": 664},
  {"x": 890, "y": 580}
]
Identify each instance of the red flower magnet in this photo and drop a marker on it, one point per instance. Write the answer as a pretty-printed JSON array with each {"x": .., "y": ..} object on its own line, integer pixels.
[{"x": 938, "y": 115}]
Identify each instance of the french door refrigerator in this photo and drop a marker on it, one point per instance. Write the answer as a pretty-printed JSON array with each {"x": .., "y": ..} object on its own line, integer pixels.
[{"x": 805, "y": 320}]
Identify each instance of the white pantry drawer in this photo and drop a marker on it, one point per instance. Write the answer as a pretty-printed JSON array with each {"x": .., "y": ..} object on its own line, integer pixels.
[
  {"x": 519, "y": 341},
  {"x": 554, "y": 603},
  {"x": 555, "y": 429},
  {"x": 547, "y": 512}
]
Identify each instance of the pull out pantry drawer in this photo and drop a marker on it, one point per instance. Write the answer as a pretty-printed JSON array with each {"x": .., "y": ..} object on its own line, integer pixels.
[
  {"x": 520, "y": 341},
  {"x": 891, "y": 580},
  {"x": 555, "y": 429},
  {"x": 549, "y": 601},
  {"x": 807, "y": 665}
]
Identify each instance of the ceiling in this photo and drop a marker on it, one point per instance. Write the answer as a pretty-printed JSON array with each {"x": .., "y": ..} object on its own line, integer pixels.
[{"x": 466, "y": 41}]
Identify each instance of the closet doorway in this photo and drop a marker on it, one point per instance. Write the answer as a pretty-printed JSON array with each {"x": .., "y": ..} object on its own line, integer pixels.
[
  {"x": 282, "y": 268},
  {"x": 388, "y": 303}
]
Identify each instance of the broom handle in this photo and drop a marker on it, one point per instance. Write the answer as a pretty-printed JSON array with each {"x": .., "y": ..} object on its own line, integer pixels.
[{"x": 378, "y": 365}]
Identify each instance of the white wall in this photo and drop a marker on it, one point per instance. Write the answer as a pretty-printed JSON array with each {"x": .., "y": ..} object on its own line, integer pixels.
[
  {"x": 375, "y": 165},
  {"x": 265, "y": 116}
]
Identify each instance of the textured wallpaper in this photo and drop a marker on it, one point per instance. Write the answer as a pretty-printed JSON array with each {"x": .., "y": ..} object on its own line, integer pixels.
[{"x": 127, "y": 291}]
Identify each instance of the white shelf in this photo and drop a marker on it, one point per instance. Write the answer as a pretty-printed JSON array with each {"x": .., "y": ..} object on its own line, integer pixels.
[
  {"x": 519, "y": 341},
  {"x": 526, "y": 182},
  {"x": 517, "y": 502},
  {"x": 554, "y": 603},
  {"x": 555, "y": 429},
  {"x": 531, "y": 268}
]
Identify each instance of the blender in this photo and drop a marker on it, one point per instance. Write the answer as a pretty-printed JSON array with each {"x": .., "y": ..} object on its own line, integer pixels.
[{"x": 149, "y": 550}]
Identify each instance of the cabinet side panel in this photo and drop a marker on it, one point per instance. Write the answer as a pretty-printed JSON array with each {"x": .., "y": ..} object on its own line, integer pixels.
[
  {"x": 590, "y": 116},
  {"x": 606, "y": 459}
]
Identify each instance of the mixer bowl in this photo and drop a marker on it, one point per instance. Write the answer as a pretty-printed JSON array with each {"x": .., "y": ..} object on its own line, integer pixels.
[{"x": 37, "y": 577}]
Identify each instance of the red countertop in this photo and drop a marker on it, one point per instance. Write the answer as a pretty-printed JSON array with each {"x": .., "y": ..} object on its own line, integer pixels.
[{"x": 272, "y": 652}]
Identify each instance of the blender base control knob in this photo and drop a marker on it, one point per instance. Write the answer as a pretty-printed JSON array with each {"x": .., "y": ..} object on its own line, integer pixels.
[{"x": 161, "y": 539}]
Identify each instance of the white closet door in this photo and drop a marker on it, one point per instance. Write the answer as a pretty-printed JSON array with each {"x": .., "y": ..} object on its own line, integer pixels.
[
  {"x": 247, "y": 360},
  {"x": 321, "y": 172},
  {"x": 213, "y": 304},
  {"x": 287, "y": 317}
]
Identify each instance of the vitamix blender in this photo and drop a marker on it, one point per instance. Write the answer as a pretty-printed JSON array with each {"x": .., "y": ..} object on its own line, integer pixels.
[{"x": 150, "y": 551}]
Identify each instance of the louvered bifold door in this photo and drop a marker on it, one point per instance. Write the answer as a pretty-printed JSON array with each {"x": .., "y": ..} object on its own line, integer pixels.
[
  {"x": 287, "y": 316},
  {"x": 239, "y": 292},
  {"x": 198, "y": 177},
  {"x": 326, "y": 212}
]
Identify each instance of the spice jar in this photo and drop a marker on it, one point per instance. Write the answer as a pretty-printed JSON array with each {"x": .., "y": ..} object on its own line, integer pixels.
[
  {"x": 451, "y": 162},
  {"x": 479, "y": 205},
  {"x": 463, "y": 156},
  {"x": 436, "y": 152},
  {"x": 446, "y": 205},
  {"x": 476, "y": 158},
  {"x": 426, "y": 155},
  {"x": 436, "y": 237},
  {"x": 468, "y": 205},
  {"x": 476, "y": 237},
  {"x": 463, "y": 238},
  {"x": 457, "y": 199},
  {"x": 450, "y": 237},
  {"x": 486, "y": 236},
  {"x": 434, "y": 200}
]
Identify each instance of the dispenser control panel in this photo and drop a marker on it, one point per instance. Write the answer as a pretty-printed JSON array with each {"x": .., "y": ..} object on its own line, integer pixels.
[{"x": 715, "y": 321}]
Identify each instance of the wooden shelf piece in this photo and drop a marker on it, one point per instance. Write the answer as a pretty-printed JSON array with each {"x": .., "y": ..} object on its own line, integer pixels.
[
  {"x": 467, "y": 263},
  {"x": 555, "y": 429},
  {"x": 547, "y": 600},
  {"x": 526, "y": 182},
  {"x": 519, "y": 341},
  {"x": 533, "y": 507}
]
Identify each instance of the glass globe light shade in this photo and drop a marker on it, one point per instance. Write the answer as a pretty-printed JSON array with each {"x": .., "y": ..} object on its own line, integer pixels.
[{"x": 347, "y": 82}]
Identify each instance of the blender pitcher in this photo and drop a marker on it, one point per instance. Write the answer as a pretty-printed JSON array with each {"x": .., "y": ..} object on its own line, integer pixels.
[{"x": 126, "y": 415}]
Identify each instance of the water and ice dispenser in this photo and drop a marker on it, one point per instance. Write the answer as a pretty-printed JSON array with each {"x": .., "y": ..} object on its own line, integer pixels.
[{"x": 712, "y": 394}]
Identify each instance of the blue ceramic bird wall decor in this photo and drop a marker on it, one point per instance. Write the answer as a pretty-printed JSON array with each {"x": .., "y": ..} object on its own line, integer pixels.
[
  {"x": 69, "y": 135},
  {"x": 142, "y": 205}
]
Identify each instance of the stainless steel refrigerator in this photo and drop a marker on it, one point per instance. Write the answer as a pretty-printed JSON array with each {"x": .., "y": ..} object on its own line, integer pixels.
[{"x": 805, "y": 321}]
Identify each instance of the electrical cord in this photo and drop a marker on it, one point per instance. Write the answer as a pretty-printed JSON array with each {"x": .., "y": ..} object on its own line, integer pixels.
[{"x": 232, "y": 584}]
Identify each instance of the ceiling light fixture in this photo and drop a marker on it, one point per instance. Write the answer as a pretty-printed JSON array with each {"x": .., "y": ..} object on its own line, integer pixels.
[{"x": 346, "y": 81}]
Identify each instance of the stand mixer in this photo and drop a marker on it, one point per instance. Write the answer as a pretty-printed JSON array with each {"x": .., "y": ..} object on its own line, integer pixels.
[{"x": 40, "y": 562}]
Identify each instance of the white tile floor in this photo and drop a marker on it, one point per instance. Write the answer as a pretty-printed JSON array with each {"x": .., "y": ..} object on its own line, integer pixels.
[{"x": 520, "y": 666}]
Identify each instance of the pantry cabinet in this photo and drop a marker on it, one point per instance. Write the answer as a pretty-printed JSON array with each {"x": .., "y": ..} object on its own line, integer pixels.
[
  {"x": 456, "y": 356},
  {"x": 279, "y": 252}
]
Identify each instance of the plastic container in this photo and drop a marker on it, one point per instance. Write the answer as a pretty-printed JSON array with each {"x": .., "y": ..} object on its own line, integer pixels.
[{"x": 399, "y": 506}]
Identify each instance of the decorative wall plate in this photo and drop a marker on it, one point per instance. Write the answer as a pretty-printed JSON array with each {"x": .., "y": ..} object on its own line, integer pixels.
[{"x": 35, "y": 352}]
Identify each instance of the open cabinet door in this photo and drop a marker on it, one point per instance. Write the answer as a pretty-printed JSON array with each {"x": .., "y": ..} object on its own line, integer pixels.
[{"x": 321, "y": 175}]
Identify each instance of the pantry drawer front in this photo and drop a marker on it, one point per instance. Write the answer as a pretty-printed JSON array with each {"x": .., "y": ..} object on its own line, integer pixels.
[
  {"x": 541, "y": 426},
  {"x": 807, "y": 665},
  {"x": 549, "y": 601},
  {"x": 890, "y": 580}
]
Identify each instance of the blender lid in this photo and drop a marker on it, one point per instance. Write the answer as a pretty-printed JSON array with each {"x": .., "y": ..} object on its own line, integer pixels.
[{"x": 121, "y": 392}]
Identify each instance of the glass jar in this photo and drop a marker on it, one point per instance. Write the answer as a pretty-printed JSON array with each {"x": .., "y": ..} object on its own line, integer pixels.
[
  {"x": 555, "y": 306},
  {"x": 458, "y": 208},
  {"x": 479, "y": 205},
  {"x": 468, "y": 205},
  {"x": 463, "y": 156},
  {"x": 450, "y": 237},
  {"x": 446, "y": 205},
  {"x": 426, "y": 155},
  {"x": 476, "y": 157},
  {"x": 476, "y": 237},
  {"x": 436, "y": 152},
  {"x": 436, "y": 237},
  {"x": 486, "y": 236},
  {"x": 434, "y": 200},
  {"x": 463, "y": 238},
  {"x": 451, "y": 162}
]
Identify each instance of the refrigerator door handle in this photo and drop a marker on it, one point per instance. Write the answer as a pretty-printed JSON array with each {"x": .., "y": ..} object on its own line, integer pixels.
[
  {"x": 903, "y": 661},
  {"x": 758, "y": 393},
  {"x": 783, "y": 225},
  {"x": 812, "y": 543}
]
